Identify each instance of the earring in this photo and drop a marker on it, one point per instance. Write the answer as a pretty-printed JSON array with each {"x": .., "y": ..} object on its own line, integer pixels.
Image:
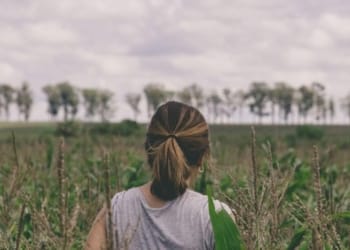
[{"x": 201, "y": 169}]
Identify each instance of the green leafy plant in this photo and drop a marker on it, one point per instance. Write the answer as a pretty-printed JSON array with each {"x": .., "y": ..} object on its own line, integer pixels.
[
  {"x": 309, "y": 132},
  {"x": 226, "y": 233},
  {"x": 68, "y": 129},
  {"x": 134, "y": 174},
  {"x": 124, "y": 128}
]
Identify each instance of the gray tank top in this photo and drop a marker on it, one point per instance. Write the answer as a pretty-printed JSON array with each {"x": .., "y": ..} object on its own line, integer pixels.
[{"x": 182, "y": 223}]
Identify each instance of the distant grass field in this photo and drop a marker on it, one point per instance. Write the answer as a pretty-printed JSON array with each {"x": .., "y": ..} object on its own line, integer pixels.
[
  {"x": 227, "y": 140},
  {"x": 333, "y": 133},
  {"x": 26, "y": 129}
]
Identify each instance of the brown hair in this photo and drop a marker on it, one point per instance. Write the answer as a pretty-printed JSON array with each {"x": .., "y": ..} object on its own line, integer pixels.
[{"x": 177, "y": 140}]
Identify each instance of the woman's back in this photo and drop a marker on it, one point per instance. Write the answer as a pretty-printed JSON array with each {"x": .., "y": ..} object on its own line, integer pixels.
[{"x": 182, "y": 223}]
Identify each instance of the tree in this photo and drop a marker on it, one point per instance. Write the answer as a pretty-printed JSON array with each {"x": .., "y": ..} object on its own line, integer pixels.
[
  {"x": 214, "y": 101},
  {"x": 284, "y": 99},
  {"x": 91, "y": 101},
  {"x": 133, "y": 100},
  {"x": 319, "y": 101},
  {"x": 331, "y": 109},
  {"x": 258, "y": 94},
  {"x": 6, "y": 92},
  {"x": 24, "y": 100},
  {"x": 320, "y": 108},
  {"x": 53, "y": 99},
  {"x": 69, "y": 99},
  {"x": 305, "y": 101},
  {"x": 239, "y": 97},
  {"x": 62, "y": 94},
  {"x": 273, "y": 98},
  {"x": 229, "y": 103},
  {"x": 169, "y": 95},
  {"x": 155, "y": 95},
  {"x": 197, "y": 95},
  {"x": 106, "y": 109},
  {"x": 192, "y": 95},
  {"x": 185, "y": 96},
  {"x": 345, "y": 104}
]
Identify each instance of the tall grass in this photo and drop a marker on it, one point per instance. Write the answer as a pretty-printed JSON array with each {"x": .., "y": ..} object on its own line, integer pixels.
[
  {"x": 275, "y": 211},
  {"x": 280, "y": 199}
]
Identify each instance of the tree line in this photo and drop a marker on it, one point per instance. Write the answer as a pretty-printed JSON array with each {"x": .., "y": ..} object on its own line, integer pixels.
[{"x": 280, "y": 102}]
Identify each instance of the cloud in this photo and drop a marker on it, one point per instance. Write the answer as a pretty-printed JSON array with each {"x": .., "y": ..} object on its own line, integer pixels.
[
  {"x": 338, "y": 25},
  {"x": 10, "y": 36},
  {"x": 8, "y": 73},
  {"x": 110, "y": 64},
  {"x": 122, "y": 45},
  {"x": 320, "y": 38},
  {"x": 49, "y": 33}
]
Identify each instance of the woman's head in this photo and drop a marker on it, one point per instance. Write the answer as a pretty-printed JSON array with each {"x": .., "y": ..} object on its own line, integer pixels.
[{"x": 176, "y": 144}]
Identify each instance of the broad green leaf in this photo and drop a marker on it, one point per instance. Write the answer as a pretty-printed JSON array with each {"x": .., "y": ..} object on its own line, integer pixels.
[
  {"x": 226, "y": 233},
  {"x": 297, "y": 239},
  {"x": 345, "y": 216}
]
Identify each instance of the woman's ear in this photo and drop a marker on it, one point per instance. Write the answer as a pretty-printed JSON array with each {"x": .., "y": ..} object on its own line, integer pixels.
[{"x": 200, "y": 162}]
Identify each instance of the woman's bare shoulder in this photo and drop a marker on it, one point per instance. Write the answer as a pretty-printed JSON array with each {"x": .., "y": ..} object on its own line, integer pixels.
[{"x": 96, "y": 239}]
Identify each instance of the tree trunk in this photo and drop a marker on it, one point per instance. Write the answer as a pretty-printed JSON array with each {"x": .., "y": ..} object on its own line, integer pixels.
[
  {"x": 7, "y": 113},
  {"x": 65, "y": 112}
]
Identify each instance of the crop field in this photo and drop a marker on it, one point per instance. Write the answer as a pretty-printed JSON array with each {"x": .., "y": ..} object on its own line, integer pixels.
[{"x": 288, "y": 186}]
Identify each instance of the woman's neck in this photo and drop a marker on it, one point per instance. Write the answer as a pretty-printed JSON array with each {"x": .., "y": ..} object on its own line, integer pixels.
[{"x": 152, "y": 200}]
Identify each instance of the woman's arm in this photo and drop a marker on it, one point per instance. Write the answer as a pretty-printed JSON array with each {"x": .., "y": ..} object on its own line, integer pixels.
[{"x": 96, "y": 239}]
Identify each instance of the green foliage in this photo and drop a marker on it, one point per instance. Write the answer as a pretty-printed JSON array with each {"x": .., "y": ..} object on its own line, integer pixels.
[
  {"x": 105, "y": 107},
  {"x": 343, "y": 216},
  {"x": 6, "y": 98},
  {"x": 103, "y": 128},
  {"x": 91, "y": 101},
  {"x": 259, "y": 96},
  {"x": 306, "y": 100},
  {"x": 309, "y": 132},
  {"x": 24, "y": 100},
  {"x": 155, "y": 95},
  {"x": 124, "y": 128},
  {"x": 291, "y": 140},
  {"x": 53, "y": 99},
  {"x": 49, "y": 153},
  {"x": 203, "y": 181},
  {"x": 69, "y": 99},
  {"x": 226, "y": 233},
  {"x": 268, "y": 139},
  {"x": 297, "y": 239},
  {"x": 185, "y": 96},
  {"x": 35, "y": 183},
  {"x": 344, "y": 144},
  {"x": 62, "y": 95},
  {"x": 306, "y": 134},
  {"x": 226, "y": 186},
  {"x": 133, "y": 100},
  {"x": 134, "y": 174},
  {"x": 68, "y": 129},
  {"x": 284, "y": 98},
  {"x": 301, "y": 182}
]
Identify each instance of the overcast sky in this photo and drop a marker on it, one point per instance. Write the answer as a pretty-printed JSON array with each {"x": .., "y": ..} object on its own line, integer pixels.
[{"x": 122, "y": 45}]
